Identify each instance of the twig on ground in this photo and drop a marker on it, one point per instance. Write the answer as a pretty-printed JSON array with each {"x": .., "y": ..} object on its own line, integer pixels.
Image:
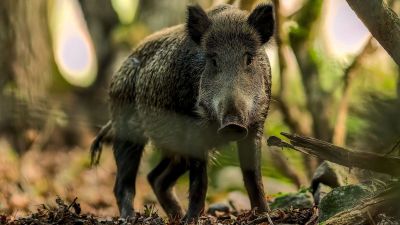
[
  {"x": 314, "y": 218},
  {"x": 72, "y": 203},
  {"x": 262, "y": 219}
]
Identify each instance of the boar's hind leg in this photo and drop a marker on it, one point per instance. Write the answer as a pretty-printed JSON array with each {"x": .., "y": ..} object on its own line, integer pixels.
[
  {"x": 127, "y": 153},
  {"x": 162, "y": 179},
  {"x": 250, "y": 156},
  {"x": 198, "y": 188}
]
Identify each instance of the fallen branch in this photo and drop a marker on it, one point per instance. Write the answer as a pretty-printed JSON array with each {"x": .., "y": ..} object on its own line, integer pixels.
[{"x": 327, "y": 151}]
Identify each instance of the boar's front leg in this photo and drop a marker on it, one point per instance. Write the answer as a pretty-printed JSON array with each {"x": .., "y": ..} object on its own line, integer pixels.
[
  {"x": 250, "y": 157},
  {"x": 198, "y": 188}
]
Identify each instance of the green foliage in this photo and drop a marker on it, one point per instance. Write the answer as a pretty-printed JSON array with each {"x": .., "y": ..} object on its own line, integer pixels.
[
  {"x": 150, "y": 210},
  {"x": 330, "y": 69},
  {"x": 355, "y": 126},
  {"x": 306, "y": 18},
  {"x": 381, "y": 130}
]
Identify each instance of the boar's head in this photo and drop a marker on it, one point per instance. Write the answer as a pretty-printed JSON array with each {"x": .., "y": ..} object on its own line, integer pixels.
[{"x": 234, "y": 86}]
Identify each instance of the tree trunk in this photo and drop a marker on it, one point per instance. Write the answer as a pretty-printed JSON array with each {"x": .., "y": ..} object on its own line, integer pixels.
[
  {"x": 24, "y": 45},
  {"x": 382, "y": 22},
  {"x": 25, "y": 64}
]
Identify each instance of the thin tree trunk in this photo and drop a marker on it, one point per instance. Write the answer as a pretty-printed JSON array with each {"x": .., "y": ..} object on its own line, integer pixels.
[
  {"x": 25, "y": 39},
  {"x": 340, "y": 130}
]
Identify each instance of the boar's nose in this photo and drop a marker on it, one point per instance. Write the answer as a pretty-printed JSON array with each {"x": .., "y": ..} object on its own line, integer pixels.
[{"x": 232, "y": 129}]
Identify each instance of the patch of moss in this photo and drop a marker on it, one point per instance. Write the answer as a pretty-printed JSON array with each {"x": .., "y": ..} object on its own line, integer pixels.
[{"x": 342, "y": 198}]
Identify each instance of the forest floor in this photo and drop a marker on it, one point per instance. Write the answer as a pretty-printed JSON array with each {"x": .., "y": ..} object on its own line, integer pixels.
[
  {"x": 71, "y": 213},
  {"x": 30, "y": 184}
]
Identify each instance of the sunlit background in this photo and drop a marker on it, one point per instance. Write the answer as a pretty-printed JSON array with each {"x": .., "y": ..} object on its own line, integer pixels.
[
  {"x": 343, "y": 34},
  {"x": 88, "y": 41}
]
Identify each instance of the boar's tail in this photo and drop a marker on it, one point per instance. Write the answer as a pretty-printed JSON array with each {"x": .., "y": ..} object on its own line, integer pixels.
[{"x": 97, "y": 144}]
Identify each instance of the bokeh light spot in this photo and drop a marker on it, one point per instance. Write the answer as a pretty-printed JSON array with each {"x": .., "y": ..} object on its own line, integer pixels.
[
  {"x": 75, "y": 53},
  {"x": 345, "y": 32},
  {"x": 73, "y": 47}
]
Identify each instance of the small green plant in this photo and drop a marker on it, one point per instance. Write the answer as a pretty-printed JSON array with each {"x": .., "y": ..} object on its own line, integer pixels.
[{"x": 150, "y": 210}]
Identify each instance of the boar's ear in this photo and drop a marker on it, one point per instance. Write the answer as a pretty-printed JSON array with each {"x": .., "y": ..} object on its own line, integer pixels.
[
  {"x": 262, "y": 19},
  {"x": 197, "y": 22}
]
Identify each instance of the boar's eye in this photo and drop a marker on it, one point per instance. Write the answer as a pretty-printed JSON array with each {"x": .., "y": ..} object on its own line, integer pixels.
[
  {"x": 214, "y": 62},
  {"x": 213, "y": 59},
  {"x": 248, "y": 58}
]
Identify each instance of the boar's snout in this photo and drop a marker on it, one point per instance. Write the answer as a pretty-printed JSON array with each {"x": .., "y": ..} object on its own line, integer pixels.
[{"x": 232, "y": 129}]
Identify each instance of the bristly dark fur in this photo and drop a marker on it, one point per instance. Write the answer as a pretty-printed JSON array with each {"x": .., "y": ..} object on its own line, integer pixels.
[{"x": 182, "y": 86}]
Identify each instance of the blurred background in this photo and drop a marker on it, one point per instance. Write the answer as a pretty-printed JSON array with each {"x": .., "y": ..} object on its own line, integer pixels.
[{"x": 331, "y": 80}]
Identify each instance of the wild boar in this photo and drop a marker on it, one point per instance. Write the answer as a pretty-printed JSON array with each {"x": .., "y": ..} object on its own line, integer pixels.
[{"x": 189, "y": 89}]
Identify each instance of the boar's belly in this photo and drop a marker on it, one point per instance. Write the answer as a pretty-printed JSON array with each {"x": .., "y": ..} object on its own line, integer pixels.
[{"x": 177, "y": 133}]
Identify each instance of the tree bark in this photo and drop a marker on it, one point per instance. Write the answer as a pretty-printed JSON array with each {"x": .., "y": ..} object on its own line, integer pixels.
[
  {"x": 24, "y": 41},
  {"x": 25, "y": 65},
  {"x": 382, "y": 22}
]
